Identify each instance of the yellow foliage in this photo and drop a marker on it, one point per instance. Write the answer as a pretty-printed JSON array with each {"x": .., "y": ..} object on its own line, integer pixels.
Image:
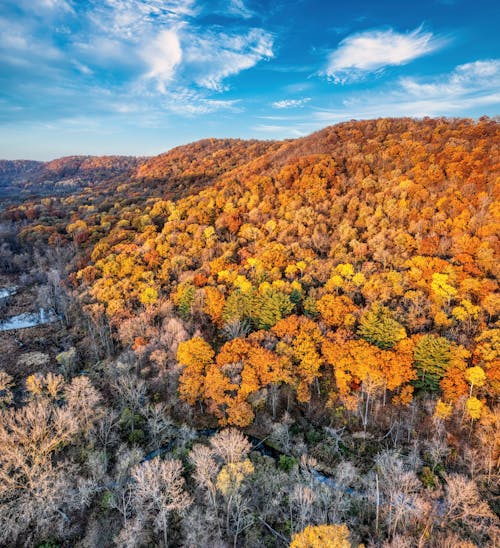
[
  {"x": 148, "y": 296},
  {"x": 476, "y": 376},
  {"x": 441, "y": 288},
  {"x": 264, "y": 287},
  {"x": 195, "y": 356},
  {"x": 358, "y": 279},
  {"x": 291, "y": 270},
  {"x": 322, "y": 536},
  {"x": 346, "y": 270},
  {"x": 301, "y": 265},
  {"x": 297, "y": 286},
  {"x": 474, "y": 407},
  {"x": 337, "y": 311},
  {"x": 441, "y": 319},
  {"x": 334, "y": 283},
  {"x": 214, "y": 304},
  {"x": 242, "y": 283},
  {"x": 50, "y": 385},
  {"x": 405, "y": 397},
  {"x": 442, "y": 410},
  {"x": 232, "y": 475}
]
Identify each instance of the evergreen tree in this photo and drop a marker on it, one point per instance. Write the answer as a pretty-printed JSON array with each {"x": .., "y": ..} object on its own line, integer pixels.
[
  {"x": 238, "y": 305},
  {"x": 378, "y": 327},
  {"x": 432, "y": 355},
  {"x": 271, "y": 307}
]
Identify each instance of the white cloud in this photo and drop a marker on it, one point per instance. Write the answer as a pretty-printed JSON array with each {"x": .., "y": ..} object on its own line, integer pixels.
[
  {"x": 470, "y": 82},
  {"x": 127, "y": 18},
  {"x": 291, "y": 103},
  {"x": 45, "y": 7},
  {"x": 163, "y": 55},
  {"x": 21, "y": 45},
  {"x": 468, "y": 71},
  {"x": 238, "y": 9},
  {"x": 370, "y": 51},
  {"x": 471, "y": 86},
  {"x": 187, "y": 102},
  {"x": 156, "y": 56},
  {"x": 214, "y": 58},
  {"x": 177, "y": 56},
  {"x": 279, "y": 132}
]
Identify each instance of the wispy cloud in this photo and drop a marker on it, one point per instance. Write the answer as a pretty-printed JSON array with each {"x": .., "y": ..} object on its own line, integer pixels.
[
  {"x": 469, "y": 86},
  {"x": 216, "y": 56},
  {"x": 239, "y": 9},
  {"x": 291, "y": 103},
  {"x": 371, "y": 51},
  {"x": 46, "y": 6},
  {"x": 150, "y": 51},
  {"x": 476, "y": 79},
  {"x": 279, "y": 131},
  {"x": 192, "y": 103},
  {"x": 163, "y": 55}
]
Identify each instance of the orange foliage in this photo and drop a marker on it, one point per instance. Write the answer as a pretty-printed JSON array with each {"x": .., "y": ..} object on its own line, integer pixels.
[{"x": 393, "y": 213}]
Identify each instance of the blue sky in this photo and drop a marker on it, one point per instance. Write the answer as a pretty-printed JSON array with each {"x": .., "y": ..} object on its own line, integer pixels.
[{"x": 141, "y": 76}]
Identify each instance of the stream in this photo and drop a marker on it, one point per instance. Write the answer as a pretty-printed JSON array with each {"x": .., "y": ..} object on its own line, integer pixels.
[
  {"x": 265, "y": 450},
  {"x": 26, "y": 319}
]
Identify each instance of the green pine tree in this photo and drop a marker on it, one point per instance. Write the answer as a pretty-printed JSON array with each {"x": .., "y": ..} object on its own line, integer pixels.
[
  {"x": 432, "y": 356},
  {"x": 271, "y": 308},
  {"x": 378, "y": 327}
]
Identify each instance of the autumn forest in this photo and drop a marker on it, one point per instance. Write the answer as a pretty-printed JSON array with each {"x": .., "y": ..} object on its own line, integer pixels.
[{"x": 247, "y": 343}]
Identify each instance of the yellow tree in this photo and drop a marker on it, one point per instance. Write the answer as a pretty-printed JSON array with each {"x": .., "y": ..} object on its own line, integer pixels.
[
  {"x": 242, "y": 368},
  {"x": 195, "y": 355},
  {"x": 476, "y": 377},
  {"x": 214, "y": 304},
  {"x": 358, "y": 364},
  {"x": 337, "y": 311},
  {"x": 327, "y": 536},
  {"x": 300, "y": 342}
]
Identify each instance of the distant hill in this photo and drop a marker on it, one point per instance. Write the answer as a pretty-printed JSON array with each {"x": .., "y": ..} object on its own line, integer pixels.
[
  {"x": 12, "y": 171},
  {"x": 63, "y": 175},
  {"x": 188, "y": 168}
]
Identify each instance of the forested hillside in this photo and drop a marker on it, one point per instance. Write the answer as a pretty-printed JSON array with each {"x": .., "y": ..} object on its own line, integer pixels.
[
  {"x": 334, "y": 298},
  {"x": 61, "y": 176}
]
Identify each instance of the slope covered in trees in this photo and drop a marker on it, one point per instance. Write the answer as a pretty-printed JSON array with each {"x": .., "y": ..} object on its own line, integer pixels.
[
  {"x": 389, "y": 241},
  {"x": 336, "y": 295}
]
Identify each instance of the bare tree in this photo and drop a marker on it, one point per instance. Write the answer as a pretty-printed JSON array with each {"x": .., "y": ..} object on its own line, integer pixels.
[
  {"x": 488, "y": 437},
  {"x": 83, "y": 400},
  {"x": 159, "y": 491},
  {"x": 122, "y": 499},
  {"x": 395, "y": 489},
  {"x": 159, "y": 424},
  {"x": 466, "y": 509},
  {"x": 172, "y": 333},
  {"x": 131, "y": 391},
  {"x": 205, "y": 471},
  {"x": 230, "y": 445},
  {"x": 32, "y": 484},
  {"x": 302, "y": 500},
  {"x": 105, "y": 431}
]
